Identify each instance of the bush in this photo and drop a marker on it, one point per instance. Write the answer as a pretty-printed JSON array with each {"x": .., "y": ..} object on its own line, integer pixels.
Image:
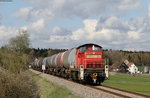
[
  {"x": 17, "y": 86},
  {"x": 13, "y": 61}
]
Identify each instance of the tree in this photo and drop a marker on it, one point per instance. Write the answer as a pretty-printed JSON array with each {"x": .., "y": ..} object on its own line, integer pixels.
[
  {"x": 15, "y": 82},
  {"x": 13, "y": 56},
  {"x": 20, "y": 42},
  {"x": 115, "y": 57}
]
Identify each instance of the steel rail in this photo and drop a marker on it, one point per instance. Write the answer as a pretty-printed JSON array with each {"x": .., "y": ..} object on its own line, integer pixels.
[
  {"x": 110, "y": 92},
  {"x": 130, "y": 92}
]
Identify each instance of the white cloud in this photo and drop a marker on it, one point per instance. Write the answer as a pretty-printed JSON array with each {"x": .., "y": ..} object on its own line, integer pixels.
[
  {"x": 35, "y": 30},
  {"x": 129, "y": 4},
  {"x": 38, "y": 25},
  {"x": 82, "y": 33},
  {"x": 90, "y": 25},
  {"x": 38, "y": 30},
  {"x": 92, "y": 32},
  {"x": 6, "y": 33},
  {"x": 57, "y": 38},
  {"x": 24, "y": 13},
  {"x": 105, "y": 35},
  {"x": 89, "y": 32},
  {"x": 78, "y": 35},
  {"x": 111, "y": 30},
  {"x": 149, "y": 11},
  {"x": 112, "y": 22},
  {"x": 50, "y": 9},
  {"x": 133, "y": 35},
  {"x": 60, "y": 31},
  {"x": 32, "y": 14},
  {"x": 39, "y": 33}
]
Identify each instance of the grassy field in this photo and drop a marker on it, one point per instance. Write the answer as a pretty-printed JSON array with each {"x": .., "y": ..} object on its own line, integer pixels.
[
  {"x": 51, "y": 90},
  {"x": 136, "y": 83}
]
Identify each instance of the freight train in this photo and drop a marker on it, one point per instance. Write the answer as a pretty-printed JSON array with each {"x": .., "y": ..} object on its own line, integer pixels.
[{"x": 83, "y": 63}]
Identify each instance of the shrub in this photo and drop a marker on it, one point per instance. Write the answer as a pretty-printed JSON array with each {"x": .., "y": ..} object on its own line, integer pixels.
[{"x": 17, "y": 85}]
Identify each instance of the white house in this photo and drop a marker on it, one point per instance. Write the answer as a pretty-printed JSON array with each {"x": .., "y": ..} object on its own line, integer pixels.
[{"x": 132, "y": 68}]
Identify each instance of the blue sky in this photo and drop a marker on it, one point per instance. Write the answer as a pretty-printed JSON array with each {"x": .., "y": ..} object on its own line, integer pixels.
[
  {"x": 7, "y": 9},
  {"x": 115, "y": 24}
]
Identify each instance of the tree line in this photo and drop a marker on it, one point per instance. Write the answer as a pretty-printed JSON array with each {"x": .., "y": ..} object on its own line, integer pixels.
[{"x": 116, "y": 57}]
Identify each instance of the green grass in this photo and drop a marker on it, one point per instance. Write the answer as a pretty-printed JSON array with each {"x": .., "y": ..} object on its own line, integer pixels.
[
  {"x": 51, "y": 90},
  {"x": 136, "y": 83}
]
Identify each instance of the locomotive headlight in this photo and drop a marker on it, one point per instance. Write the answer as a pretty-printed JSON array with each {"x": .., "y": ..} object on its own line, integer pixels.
[{"x": 81, "y": 72}]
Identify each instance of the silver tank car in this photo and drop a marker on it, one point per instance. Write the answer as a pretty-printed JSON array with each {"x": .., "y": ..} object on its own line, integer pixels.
[
  {"x": 65, "y": 59},
  {"x": 72, "y": 58}
]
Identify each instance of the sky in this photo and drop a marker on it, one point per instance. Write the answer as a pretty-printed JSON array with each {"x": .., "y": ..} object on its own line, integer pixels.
[{"x": 113, "y": 24}]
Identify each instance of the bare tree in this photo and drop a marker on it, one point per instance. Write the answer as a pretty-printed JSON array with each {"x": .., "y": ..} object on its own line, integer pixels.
[{"x": 20, "y": 42}]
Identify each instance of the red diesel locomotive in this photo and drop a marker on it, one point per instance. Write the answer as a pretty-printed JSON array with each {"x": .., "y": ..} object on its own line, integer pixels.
[{"x": 84, "y": 63}]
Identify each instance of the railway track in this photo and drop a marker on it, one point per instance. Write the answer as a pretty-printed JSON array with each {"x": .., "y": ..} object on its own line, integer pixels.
[
  {"x": 119, "y": 92},
  {"x": 88, "y": 91},
  {"x": 130, "y": 94},
  {"x": 110, "y": 92},
  {"x": 126, "y": 91},
  {"x": 104, "y": 90}
]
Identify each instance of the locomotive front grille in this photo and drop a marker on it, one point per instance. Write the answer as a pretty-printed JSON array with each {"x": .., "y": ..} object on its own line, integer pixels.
[{"x": 93, "y": 65}]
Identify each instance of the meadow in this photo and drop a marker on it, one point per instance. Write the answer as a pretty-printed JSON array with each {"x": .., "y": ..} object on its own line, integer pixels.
[{"x": 136, "y": 83}]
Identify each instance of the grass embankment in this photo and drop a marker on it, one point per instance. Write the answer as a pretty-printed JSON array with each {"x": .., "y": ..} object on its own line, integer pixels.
[
  {"x": 51, "y": 90},
  {"x": 136, "y": 83}
]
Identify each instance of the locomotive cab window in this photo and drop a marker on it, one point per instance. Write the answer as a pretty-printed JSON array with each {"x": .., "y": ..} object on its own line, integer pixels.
[
  {"x": 95, "y": 48},
  {"x": 83, "y": 49}
]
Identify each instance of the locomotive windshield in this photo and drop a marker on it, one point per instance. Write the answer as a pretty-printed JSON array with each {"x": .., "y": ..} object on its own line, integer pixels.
[
  {"x": 83, "y": 49},
  {"x": 89, "y": 48},
  {"x": 95, "y": 48}
]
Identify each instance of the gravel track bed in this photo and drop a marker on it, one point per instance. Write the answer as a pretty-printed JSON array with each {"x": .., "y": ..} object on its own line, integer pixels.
[{"x": 76, "y": 88}]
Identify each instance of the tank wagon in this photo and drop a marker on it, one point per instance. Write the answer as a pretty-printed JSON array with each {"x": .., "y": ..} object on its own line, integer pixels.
[{"x": 83, "y": 63}]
